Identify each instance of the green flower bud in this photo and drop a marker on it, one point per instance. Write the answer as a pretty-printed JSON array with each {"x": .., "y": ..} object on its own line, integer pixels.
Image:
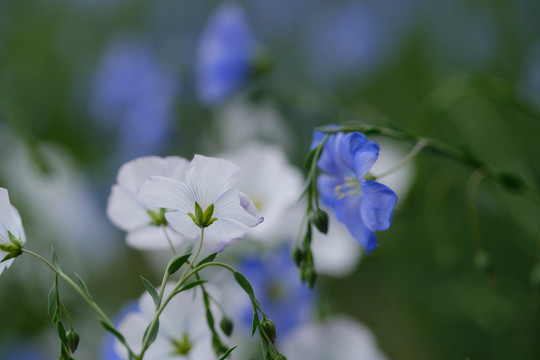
[
  {"x": 307, "y": 274},
  {"x": 298, "y": 255},
  {"x": 319, "y": 218},
  {"x": 269, "y": 329},
  {"x": 226, "y": 326},
  {"x": 72, "y": 337}
]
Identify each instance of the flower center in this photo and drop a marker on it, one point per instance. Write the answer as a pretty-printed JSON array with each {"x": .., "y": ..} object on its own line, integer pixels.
[
  {"x": 351, "y": 186},
  {"x": 275, "y": 291},
  {"x": 182, "y": 346},
  {"x": 158, "y": 218}
]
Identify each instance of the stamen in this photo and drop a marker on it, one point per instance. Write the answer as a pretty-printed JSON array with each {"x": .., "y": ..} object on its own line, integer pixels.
[{"x": 351, "y": 186}]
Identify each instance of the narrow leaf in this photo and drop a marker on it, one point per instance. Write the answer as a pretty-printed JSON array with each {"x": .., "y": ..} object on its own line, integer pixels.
[
  {"x": 152, "y": 335},
  {"x": 53, "y": 293},
  {"x": 176, "y": 263},
  {"x": 192, "y": 285},
  {"x": 61, "y": 332},
  {"x": 152, "y": 291},
  {"x": 113, "y": 331},
  {"x": 207, "y": 259},
  {"x": 227, "y": 353},
  {"x": 54, "y": 259},
  {"x": 244, "y": 283},
  {"x": 84, "y": 287},
  {"x": 255, "y": 323}
]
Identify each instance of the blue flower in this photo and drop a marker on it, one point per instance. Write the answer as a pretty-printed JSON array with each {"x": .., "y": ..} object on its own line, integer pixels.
[
  {"x": 134, "y": 93},
  {"x": 279, "y": 290},
  {"x": 224, "y": 55},
  {"x": 364, "y": 206}
]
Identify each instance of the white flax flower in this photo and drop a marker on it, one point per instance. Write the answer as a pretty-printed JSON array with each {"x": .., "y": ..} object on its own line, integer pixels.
[
  {"x": 11, "y": 231},
  {"x": 143, "y": 224},
  {"x": 209, "y": 185}
]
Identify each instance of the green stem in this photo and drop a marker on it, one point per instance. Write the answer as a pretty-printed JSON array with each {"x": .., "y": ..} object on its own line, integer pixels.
[
  {"x": 81, "y": 292},
  {"x": 410, "y": 156},
  {"x": 169, "y": 239},
  {"x": 159, "y": 310}
]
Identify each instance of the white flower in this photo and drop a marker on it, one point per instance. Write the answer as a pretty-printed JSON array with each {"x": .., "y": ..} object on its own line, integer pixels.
[
  {"x": 130, "y": 215},
  {"x": 209, "y": 181},
  {"x": 335, "y": 252},
  {"x": 183, "y": 331},
  {"x": 10, "y": 223},
  {"x": 274, "y": 186},
  {"x": 339, "y": 337}
]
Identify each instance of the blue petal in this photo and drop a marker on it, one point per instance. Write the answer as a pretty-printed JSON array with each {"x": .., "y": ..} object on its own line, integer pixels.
[
  {"x": 326, "y": 185},
  {"x": 331, "y": 161},
  {"x": 348, "y": 211},
  {"x": 377, "y": 205},
  {"x": 317, "y": 138},
  {"x": 358, "y": 153}
]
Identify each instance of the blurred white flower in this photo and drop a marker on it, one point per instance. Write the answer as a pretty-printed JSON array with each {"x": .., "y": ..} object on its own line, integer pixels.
[
  {"x": 10, "y": 223},
  {"x": 183, "y": 331},
  {"x": 209, "y": 182},
  {"x": 240, "y": 121},
  {"x": 339, "y": 337},
  {"x": 139, "y": 221},
  {"x": 274, "y": 186},
  {"x": 336, "y": 253}
]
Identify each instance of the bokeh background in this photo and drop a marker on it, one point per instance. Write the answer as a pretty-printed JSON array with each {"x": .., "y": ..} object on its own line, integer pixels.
[{"x": 86, "y": 85}]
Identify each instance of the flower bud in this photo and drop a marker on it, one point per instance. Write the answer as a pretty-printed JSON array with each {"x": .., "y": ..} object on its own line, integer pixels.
[
  {"x": 307, "y": 274},
  {"x": 298, "y": 255},
  {"x": 319, "y": 218},
  {"x": 226, "y": 326},
  {"x": 269, "y": 329},
  {"x": 72, "y": 337}
]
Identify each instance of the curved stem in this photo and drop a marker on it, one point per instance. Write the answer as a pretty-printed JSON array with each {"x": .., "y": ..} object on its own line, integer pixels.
[
  {"x": 82, "y": 293},
  {"x": 169, "y": 239},
  {"x": 410, "y": 156}
]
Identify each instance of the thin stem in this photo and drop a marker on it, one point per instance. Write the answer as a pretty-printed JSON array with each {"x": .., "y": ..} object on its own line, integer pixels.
[
  {"x": 313, "y": 172},
  {"x": 472, "y": 194},
  {"x": 67, "y": 315},
  {"x": 410, "y": 156},
  {"x": 159, "y": 310},
  {"x": 169, "y": 239},
  {"x": 88, "y": 299}
]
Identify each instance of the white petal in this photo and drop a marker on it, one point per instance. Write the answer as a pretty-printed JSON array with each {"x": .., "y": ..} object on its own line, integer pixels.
[
  {"x": 176, "y": 167},
  {"x": 210, "y": 178},
  {"x": 236, "y": 206},
  {"x": 135, "y": 172},
  {"x": 152, "y": 238},
  {"x": 10, "y": 220},
  {"x": 166, "y": 193},
  {"x": 125, "y": 211},
  {"x": 183, "y": 224},
  {"x": 4, "y": 265},
  {"x": 223, "y": 233}
]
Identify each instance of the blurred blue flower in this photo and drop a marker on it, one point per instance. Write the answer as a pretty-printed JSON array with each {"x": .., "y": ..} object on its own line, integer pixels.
[
  {"x": 364, "y": 206},
  {"x": 224, "y": 55},
  {"x": 21, "y": 351},
  {"x": 279, "y": 290},
  {"x": 134, "y": 94}
]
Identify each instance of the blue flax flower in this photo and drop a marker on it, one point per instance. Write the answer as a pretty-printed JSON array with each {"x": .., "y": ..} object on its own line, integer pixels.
[
  {"x": 224, "y": 55},
  {"x": 364, "y": 206}
]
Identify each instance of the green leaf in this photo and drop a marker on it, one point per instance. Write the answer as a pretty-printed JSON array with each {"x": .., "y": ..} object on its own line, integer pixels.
[
  {"x": 207, "y": 216},
  {"x": 199, "y": 214},
  {"x": 54, "y": 259},
  {"x": 84, "y": 287},
  {"x": 227, "y": 353},
  {"x": 192, "y": 285},
  {"x": 7, "y": 247},
  {"x": 152, "y": 335},
  {"x": 176, "y": 263},
  {"x": 53, "y": 294},
  {"x": 255, "y": 323},
  {"x": 244, "y": 284},
  {"x": 309, "y": 159},
  {"x": 15, "y": 240},
  {"x": 210, "y": 319},
  {"x": 207, "y": 259},
  {"x": 61, "y": 332},
  {"x": 112, "y": 330},
  {"x": 12, "y": 255},
  {"x": 152, "y": 291}
]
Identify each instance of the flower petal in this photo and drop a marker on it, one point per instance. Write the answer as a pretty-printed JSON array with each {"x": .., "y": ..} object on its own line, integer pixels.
[
  {"x": 223, "y": 233},
  {"x": 10, "y": 220},
  {"x": 377, "y": 205},
  {"x": 327, "y": 184},
  {"x": 331, "y": 160},
  {"x": 209, "y": 178},
  {"x": 134, "y": 173},
  {"x": 152, "y": 238},
  {"x": 166, "y": 193},
  {"x": 236, "y": 206},
  {"x": 358, "y": 153},
  {"x": 125, "y": 211},
  {"x": 183, "y": 224},
  {"x": 348, "y": 211}
]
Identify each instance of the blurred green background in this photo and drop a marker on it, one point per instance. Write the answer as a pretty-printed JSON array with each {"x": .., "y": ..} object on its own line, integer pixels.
[{"x": 466, "y": 73}]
